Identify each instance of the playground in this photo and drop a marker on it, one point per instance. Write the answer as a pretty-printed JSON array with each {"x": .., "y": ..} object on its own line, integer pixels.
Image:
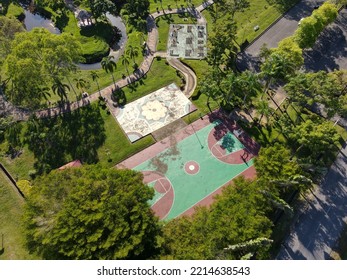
[{"x": 190, "y": 167}]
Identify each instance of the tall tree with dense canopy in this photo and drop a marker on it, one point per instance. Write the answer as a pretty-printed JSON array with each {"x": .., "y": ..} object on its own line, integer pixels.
[
  {"x": 38, "y": 58},
  {"x": 109, "y": 65},
  {"x": 316, "y": 137},
  {"x": 237, "y": 215},
  {"x": 91, "y": 212},
  {"x": 310, "y": 27},
  {"x": 136, "y": 12},
  {"x": 9, "y": 26}
]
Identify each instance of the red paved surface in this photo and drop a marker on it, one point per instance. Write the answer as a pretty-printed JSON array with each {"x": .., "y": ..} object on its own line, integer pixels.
[{"x": 162, "y": 185}]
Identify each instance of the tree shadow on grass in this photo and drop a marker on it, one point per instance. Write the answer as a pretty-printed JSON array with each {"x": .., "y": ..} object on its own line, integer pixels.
[{"x": 75, "y": 135}]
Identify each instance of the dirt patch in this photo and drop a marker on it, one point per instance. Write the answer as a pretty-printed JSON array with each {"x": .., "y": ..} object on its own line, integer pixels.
[
  {"x": 159, "y": 162},
  {"x": 169, "y": 129}
]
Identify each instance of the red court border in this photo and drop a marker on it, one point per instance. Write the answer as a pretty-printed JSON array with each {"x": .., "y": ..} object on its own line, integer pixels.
[{"x": 219, "y": 131}]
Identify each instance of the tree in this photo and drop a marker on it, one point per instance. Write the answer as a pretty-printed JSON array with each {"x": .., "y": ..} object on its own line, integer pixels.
[
  {"x": 316, "y": 137},
  {"x": 310, "y": 27},
  {"x": 133, "y": 52},
  {"x": 236, "y": 216},
  {"x": 95, "y": 78},
  {"x": 125, "y": 62},
  {"x": 329, "y": 89},
  {"x": 81, "y": 84},
  {"x": 275, "y": 163},
  {"x": 276, "y": 67},
  {"x": 9, "y": 26},
  {"x": 263, "y": 108},
  {"x": 60, "y": 89},
  {"x": 297, "y": 89},
  {"x": 91, "y": 212},
  {"x": 109, "y": 65},
  {"x": 72, "y": 135},
  {"x": 221, "y": 49},
  {"x": 100, "y": 7},
  {"x": 137, "y": 11},
  {"x": 39, "y": 58},
  {"x": 290, "y": 49}
]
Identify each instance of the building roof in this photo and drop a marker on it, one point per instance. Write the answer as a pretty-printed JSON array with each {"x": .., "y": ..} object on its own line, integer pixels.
[
  {"x": 82, "y": 14},
  {"x": 75, "y": 163}
]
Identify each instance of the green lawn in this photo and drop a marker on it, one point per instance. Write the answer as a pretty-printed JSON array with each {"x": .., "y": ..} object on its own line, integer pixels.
[
  {"x": 163, "y": 4},
  {"x": 159, "y": 75},
  {"x": 11, "y": 207},
  {"x": 117, "y": 147},
  {"x": 21, "y": 165},
  {"x": 11, "y": 9},
  {"x": 260, "y": 13},
  {"x": 94, "y": 39}
]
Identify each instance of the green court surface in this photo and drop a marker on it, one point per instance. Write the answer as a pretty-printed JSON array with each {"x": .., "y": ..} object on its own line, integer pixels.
[{"x": 207, "y": 172}]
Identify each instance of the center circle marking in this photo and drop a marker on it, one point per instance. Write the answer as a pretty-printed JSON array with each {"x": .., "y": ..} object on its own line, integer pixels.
[{"x": 191, "y": 167}]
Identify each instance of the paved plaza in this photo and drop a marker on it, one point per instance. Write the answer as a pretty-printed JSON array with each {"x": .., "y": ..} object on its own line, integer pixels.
[
  {"x": 187, "y": 41},
  {"x": 153, "y": 111}
]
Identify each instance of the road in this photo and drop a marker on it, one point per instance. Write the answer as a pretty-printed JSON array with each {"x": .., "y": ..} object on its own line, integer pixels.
[
  {"x": 315, "y": 234},
  {"x": 285, "y": 27}
]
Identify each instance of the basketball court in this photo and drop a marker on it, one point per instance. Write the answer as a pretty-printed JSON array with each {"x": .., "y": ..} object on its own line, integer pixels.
[{"x": 191, "y": 166}]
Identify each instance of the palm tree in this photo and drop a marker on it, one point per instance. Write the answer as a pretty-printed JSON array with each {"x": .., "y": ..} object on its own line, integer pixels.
[
  {"x": 262, "y": 107},
  {"x": 72, "y": 87},
  {"x": 132, "y": 52},
  {"x": 109, "y": 65},
  {"x": 95, "y": 77},
  {"x": 60, "y": 89},
  {"x": 45, "y": 93},
  {"x": 250, "y": 84},
  {"x": 125, "y": 63},
  {"x": 81, "y": 84}
]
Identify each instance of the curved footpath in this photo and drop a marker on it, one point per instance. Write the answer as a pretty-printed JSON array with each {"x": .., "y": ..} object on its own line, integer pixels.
[{"x": 151, "y": 53}]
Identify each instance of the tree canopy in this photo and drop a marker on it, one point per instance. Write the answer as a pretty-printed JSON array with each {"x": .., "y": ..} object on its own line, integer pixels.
[
  {"x": 36, "y": 59},
  {"x": 310, "y": 27},
  {"x": 237, "y": 215},
  {"x": 91, "y": 212},
  {"x": 9, "y": 26},
  {"x": 75, "y": 135}
]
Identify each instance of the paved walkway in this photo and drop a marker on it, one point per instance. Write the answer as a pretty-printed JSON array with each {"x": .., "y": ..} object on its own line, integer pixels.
[
  {"x": 152, "y": 41},
  {"x": 190, "y": 77}
]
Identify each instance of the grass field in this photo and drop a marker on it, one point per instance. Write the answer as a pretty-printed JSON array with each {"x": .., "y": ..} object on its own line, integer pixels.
[
  {"x": 163, "y": 4},
  {"x": 11, "y": 208},
  {"x": 260, "y": 13}
]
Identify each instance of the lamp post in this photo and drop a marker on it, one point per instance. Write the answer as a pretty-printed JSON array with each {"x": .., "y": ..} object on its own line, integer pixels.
[{"x": 194, "y": 128}]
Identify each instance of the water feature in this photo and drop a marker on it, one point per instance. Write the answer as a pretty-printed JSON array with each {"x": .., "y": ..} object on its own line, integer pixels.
[
  {"x": 117, "y": 50},
  {"x": 33, "y": 20}
]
